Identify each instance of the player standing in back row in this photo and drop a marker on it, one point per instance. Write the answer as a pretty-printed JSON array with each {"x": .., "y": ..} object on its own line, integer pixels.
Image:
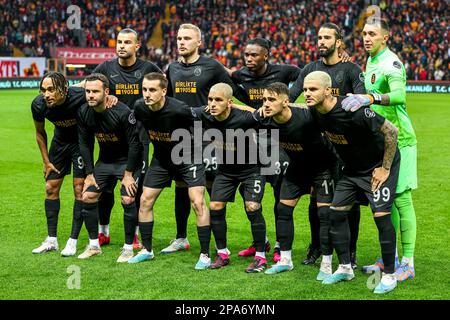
[
  {"x": 125, "y": 75},
  {"x": 257, "y": 74},
  {"x": 190, "y": 79},
  {"x": 385, "y": 81},
  {"x": 346, "y": 78}
]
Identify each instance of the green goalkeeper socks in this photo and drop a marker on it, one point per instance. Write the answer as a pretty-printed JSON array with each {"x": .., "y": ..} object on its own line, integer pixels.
[{"x": 404, "y": 216}]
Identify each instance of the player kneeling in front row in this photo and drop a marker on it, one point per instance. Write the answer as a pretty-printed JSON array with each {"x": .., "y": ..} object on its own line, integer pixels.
[
  {"x": 120, "y": 158},
  {"x": 161, "y": 116},
  {"x": 367, "y": 144}
]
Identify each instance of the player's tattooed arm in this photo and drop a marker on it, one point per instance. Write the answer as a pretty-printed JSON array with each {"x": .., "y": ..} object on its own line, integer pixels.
[
  {"x": 381, "y": 99},
  {"x": 390, "y": 133},
  {"x": 380, "y": 174}
]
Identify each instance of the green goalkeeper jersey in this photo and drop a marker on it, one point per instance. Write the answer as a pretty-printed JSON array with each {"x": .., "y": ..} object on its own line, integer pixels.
[{"x": 385, "y": 74}]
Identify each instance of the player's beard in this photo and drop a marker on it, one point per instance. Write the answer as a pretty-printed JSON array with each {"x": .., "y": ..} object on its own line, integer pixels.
[
  {"x": 96, "y": 102},
  {"x": 125, "y": 56},
  {"x": 328, "y": 52}
]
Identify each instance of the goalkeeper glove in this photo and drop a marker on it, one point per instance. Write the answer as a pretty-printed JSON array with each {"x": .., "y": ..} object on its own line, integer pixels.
[{"x": 356, "y": 101}]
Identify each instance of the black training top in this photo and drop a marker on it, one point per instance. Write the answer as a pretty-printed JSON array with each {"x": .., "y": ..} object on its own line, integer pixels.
[
  {"x": 234, "y": 140},
  {"x": 303, "y": 142},
  {"x": 346, "y": 77},
  {"x": 126, "y": 82},
  {"x": 356, "y": 137},
  {"x": 190, "y": 83},
  {"x": 161, "y": 124},
  {"x": 62, "y": 116},
  {"x": 116, "y": 133},
  {"x": 255, "y": 85}
]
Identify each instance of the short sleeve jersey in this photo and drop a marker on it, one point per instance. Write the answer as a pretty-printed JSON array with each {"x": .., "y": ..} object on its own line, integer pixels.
[
  {"x": 161, "y": 124},
  {"x": 235, "y": 139},
  {"x": 116, "y": 133},
  {"x": 356, "y": 137},
  {"x": 62, "y": 116},
  {"x": 190, "y": 83},
  {"x": 126, "y": 82},
  {"x": 301, "y": 139},
  {"x": 255, "y": 85},
  {"x": 346, "y": 77}
]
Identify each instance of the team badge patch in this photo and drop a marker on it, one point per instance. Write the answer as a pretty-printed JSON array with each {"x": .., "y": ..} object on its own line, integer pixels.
[
  {"x": 132, "y": 118},
  {"x": 369, "y": 113},
  {"x": 197, "y": 71},
  {"x": 372, "y": 80},
  {"x": 340, "y": 77},
  {"x": 138, "y": 74},
  {"x": 361, "y": 76},
  {"x": 397, "y": 65}
]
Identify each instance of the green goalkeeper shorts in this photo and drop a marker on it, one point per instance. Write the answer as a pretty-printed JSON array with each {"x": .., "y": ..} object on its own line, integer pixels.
[{"x": 407, "y": 178}]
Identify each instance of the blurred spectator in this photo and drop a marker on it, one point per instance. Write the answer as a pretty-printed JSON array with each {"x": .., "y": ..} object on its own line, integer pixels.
[{"x": 419, "y": 29}]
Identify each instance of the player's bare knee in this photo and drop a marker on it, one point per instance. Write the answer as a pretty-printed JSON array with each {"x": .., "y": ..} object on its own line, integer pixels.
[
  {"x": 251, "y": 206},
  {"x": 197, "y": 205},
  {"x": 127, "y": 200},
  {"x": 380, "y": 214},
  {"x": 147, "y": 202},
  {"x": 216, "y": 205},
  {"x": 145, "y": 215},
  {"x": 90, "y": 197},
  {"x": 78, "y": 191},
  {"x": 290, "y": 203},
  {"x": 52, "y": 188}
]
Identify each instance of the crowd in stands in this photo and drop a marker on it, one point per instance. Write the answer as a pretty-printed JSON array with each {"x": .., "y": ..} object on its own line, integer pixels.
[{"x": 419, "y": 28}]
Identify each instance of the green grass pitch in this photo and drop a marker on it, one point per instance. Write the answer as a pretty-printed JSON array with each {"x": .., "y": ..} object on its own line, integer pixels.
[{"x": 27, "y": 276}]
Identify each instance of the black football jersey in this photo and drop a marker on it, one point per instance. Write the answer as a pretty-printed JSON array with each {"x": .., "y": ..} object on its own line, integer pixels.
[
  {"x": 356, "y": 137},
  {"x": 301, "y": 139},
  {"x": 346, "y": 77},
  {"x": 116, "y": 133},
  {"x": 233, "y": 157},
  {"x": 255, "y": 85},
  {"x": 62, "y": 116},
  {"x": 190, "y": 83},
  {"x": 126, "y": 82},
  {"x": 161, "y": 124}
]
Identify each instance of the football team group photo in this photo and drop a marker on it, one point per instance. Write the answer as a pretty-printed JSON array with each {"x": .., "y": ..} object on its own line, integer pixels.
[{"x": 257, "y": 150}]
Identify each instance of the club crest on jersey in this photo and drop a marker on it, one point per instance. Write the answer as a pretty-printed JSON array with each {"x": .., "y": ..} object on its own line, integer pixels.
[
  {"x": 138, "y": 74},
  {"x": 372, "y": 80},
  {"x": 361, "y": 76},
  {"x": 197, "y": 71},
  {"x": 132, "y": 118},
  {"x": 369, "y": 113},
  {"x": 340, "y": 77}
]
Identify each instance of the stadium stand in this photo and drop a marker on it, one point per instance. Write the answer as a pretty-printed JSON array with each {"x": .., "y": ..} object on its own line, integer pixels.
[{"x": 419, "y": 28}]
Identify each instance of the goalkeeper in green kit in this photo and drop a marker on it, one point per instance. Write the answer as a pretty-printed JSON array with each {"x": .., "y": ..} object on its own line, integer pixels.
[{"x": 385, "y": 82}]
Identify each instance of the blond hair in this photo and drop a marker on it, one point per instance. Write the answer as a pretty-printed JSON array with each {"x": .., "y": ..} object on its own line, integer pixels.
[
  {"x": 191, "y": 26},
  {"x": 321, "y": 76},
  {"x": 224, "y": 88}
]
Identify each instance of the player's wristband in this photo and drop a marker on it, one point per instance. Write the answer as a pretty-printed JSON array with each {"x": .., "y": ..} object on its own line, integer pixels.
[{"x": 376, "y": 98}]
